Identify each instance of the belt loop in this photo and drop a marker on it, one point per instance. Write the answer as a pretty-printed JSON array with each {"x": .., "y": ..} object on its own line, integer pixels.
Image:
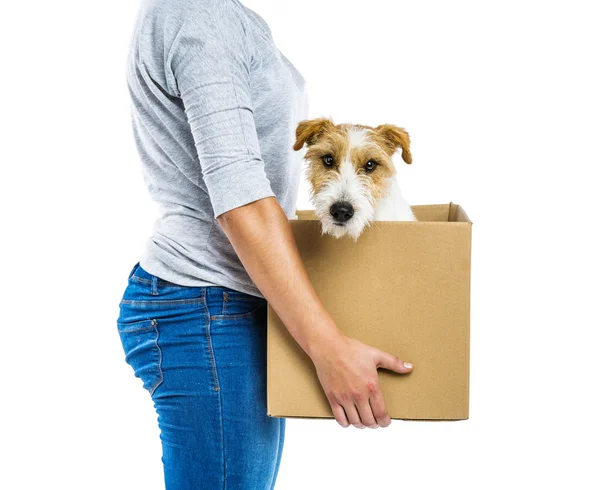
[
  {"x": 154, "y": 285},
  {"x": 225, "y": 300}
]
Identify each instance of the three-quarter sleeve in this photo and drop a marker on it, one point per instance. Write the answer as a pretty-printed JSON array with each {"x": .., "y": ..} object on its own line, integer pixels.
[{"x": 210, "y": 62}]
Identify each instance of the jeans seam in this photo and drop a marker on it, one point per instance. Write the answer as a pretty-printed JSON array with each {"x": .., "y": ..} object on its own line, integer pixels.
[
  {"x": 140, "y": 279},
  {"x": 151, "y": 302},
  {"x": 160, "y": 371},
  {"x": 210, "y": 350},
  {"x": 217, "y": 388},
  {"x": 123, "y": 329},
  {"x": 223, "y": 439}
]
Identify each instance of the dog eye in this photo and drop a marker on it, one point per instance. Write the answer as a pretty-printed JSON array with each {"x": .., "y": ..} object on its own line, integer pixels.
[
  {"x": 370, "y": 166},
  {"x": 328, "y": 160}
]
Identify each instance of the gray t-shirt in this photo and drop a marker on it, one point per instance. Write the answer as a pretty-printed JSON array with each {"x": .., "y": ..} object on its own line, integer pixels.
[{"x": 214, "y": 108}]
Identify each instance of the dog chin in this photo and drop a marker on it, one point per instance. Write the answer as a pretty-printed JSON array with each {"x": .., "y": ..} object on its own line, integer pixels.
[{"x": 352, "y": 228}]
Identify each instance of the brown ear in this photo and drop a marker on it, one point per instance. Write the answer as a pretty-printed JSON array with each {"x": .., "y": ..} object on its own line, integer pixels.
[
  {"x": 309, "y": 130},
  {"x": 393, "y": 138}
]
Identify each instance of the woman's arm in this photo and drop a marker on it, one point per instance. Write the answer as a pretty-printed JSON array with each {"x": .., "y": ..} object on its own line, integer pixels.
[{"x": 262, "y": 238}]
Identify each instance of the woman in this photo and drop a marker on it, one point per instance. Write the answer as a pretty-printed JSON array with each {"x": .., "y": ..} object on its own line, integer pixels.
[{"x": 214, "y": 108}]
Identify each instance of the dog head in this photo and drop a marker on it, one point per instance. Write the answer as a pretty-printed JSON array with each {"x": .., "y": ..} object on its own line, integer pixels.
[{"x": 349, "y": 170}]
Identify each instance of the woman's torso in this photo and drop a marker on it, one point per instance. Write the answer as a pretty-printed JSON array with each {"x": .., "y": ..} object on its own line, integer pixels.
[{"x": 188, "y": 246}]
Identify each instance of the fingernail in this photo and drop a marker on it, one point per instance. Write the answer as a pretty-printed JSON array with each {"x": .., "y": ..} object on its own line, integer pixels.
[{"x": 407, "y": 365}]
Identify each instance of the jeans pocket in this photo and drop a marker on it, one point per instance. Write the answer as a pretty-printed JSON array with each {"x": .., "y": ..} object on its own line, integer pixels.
[
  {"x": 142, "y": 352},
  {"x": 237, "y": 304}
]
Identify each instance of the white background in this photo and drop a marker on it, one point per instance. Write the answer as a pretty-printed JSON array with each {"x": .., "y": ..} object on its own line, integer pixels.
[{"x": 502, "y": 102}]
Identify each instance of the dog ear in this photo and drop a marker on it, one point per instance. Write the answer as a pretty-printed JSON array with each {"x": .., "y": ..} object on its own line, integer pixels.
[
  {"x": 394, "y": 137},
  {"x": 309, "y": 130}
]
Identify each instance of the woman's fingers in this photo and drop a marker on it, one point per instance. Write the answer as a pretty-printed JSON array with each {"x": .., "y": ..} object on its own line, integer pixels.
[
  {"x": 377, "y": 404},
  {"x": 339, "y": 413},
  {"x": 366, "y": 414},
  {"x": 353, "y": 416}
]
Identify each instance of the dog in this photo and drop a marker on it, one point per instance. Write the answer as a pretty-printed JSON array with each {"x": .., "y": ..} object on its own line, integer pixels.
[{"x": 351, "y": 174}]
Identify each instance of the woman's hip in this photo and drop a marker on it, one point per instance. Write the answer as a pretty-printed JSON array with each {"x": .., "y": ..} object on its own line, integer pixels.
[
  {"x": 164, "y": 326},
  {"x": 201, "y": 354}
]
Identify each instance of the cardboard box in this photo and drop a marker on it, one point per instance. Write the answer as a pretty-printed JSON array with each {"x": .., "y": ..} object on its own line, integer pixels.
[{"x": 403, "y": 287}]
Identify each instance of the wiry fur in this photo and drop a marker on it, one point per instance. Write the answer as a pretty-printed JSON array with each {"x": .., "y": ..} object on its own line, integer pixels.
[{"x": 374, "y": 196}]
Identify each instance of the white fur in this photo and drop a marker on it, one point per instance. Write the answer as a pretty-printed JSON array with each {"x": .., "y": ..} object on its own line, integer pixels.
[
  {"x": 393, "y": 206},
  {"x": 358, "y": 137}
]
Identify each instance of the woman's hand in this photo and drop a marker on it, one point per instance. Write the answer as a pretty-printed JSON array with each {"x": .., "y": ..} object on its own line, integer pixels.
[{"x": 347, "y": 371}]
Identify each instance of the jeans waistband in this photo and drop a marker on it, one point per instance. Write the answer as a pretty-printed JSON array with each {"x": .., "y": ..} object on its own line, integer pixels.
[
  {"x": 208, "y": 292},
  {"x": 137, "y": 271}
]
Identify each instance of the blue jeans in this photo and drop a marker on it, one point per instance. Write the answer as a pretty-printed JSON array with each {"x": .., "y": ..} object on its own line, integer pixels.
[{"x": 201, "y": 355}]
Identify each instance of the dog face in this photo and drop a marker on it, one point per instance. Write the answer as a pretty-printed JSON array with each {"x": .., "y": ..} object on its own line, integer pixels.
[{"x": 349, "y": 170}]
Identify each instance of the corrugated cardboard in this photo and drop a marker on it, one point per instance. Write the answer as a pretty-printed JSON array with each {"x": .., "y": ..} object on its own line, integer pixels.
[{"x": 403, "y": 287}]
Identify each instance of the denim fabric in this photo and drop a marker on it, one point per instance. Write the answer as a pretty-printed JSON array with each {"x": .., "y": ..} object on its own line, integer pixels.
[{"x": 200, "y": 352}]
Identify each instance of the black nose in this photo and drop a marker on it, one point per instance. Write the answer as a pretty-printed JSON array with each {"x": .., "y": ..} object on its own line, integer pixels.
[{"x": 341, "y": 211}]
